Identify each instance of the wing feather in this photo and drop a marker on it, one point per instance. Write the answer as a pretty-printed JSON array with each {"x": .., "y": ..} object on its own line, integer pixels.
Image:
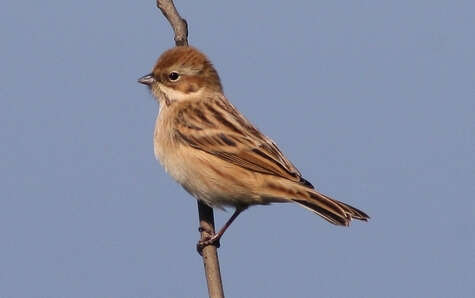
[{"x": 214, "y": 126}]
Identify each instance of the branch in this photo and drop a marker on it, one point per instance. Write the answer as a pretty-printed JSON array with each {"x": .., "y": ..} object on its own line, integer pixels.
[
  {"x": 179, "y": 25},
  {"x": 209, "y": 252}
]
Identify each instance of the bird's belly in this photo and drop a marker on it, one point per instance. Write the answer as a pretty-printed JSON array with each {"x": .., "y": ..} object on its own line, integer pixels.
[{"x": 207, "y": 178}]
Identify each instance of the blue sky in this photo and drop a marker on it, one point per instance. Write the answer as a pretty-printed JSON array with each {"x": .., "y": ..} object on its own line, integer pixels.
[{"x": 373, "y": 101}]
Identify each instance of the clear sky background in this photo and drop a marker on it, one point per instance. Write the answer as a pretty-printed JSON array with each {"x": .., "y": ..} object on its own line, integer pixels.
[{"x": 374, "y": 101}]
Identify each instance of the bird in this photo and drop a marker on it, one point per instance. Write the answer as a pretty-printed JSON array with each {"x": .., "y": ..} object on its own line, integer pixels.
[{"x": 216, "y": 154}]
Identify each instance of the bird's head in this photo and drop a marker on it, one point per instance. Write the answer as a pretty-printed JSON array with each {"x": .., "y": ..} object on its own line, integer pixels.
[{"x": 181, "y": 73}]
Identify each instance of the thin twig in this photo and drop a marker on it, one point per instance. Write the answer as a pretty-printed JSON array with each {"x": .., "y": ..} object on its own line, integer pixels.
[
  {"x": 209, "y": 252},
  {"x": 179, "y": 25}
]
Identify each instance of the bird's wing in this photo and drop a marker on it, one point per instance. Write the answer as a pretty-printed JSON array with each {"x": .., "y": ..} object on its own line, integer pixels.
[{"x": 213, "y": 125}]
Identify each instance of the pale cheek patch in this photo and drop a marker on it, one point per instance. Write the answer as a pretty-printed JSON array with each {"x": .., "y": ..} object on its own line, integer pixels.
[{"x": 177, "y": 95}]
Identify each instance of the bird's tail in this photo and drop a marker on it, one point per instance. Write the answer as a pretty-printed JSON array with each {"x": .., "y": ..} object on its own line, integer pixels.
[{"x": 334, "y": 211}]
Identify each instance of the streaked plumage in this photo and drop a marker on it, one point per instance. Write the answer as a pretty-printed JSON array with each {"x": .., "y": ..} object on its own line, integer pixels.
[{"x": 215, "y": 153}]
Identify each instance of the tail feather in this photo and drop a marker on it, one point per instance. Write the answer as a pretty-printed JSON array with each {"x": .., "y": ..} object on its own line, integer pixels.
[
  {"x": 334, "y": 211},
  {"x": 355, "y": 212}
]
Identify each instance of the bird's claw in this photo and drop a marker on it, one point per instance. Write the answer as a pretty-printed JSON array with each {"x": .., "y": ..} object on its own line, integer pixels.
[
  {"x": 201, "y": 230},
  {"x": 210, "y": 240}
]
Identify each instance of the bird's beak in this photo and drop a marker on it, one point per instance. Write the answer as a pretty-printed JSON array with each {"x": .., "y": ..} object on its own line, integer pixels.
[{"x": 147, "y": 79}]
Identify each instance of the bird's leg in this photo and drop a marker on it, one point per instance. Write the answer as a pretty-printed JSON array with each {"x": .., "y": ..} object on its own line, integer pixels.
[{"x": 214, "y": 240}]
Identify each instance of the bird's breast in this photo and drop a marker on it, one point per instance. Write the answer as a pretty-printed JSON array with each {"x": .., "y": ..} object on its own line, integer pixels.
[{"x": 167, "y": 151}]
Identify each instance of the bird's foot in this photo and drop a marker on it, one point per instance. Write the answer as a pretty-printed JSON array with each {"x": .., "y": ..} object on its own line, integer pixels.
[{"x": 213, "y": 239}]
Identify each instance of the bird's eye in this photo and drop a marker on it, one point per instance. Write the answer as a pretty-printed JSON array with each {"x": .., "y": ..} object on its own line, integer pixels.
[{"x": 173, "y": 76}]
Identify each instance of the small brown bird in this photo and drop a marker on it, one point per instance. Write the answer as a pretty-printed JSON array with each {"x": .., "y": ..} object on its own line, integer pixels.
[{"x": 215, "y": 153}]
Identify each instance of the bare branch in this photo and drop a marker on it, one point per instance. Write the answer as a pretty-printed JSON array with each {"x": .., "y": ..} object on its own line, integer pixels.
[
  {"x": 179, "y": 25},
  {"x": 209, "y": 252}
]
